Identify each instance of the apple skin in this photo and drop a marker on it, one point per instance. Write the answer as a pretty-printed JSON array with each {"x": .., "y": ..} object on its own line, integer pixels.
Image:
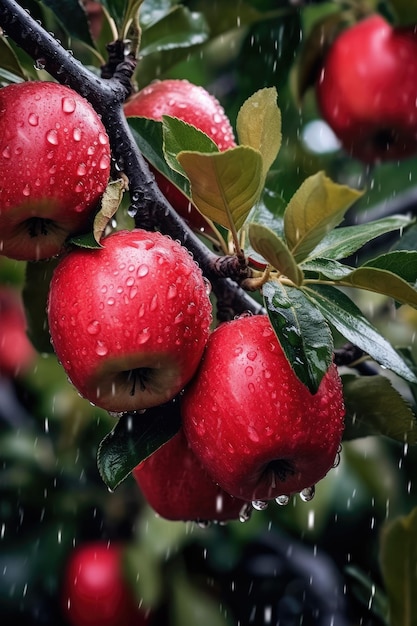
[
  {"x": 177, "y": 487},
  {"x": 253, "y": 425},
  {"x": 129, "y": 321},
  {"x": 94, "y": 591},
  {"x": 54, "y": 167},
  {"x": 367, "y": 90},
  {"x": 192, "y": 104},
  {"x": 16, "y": 351}
]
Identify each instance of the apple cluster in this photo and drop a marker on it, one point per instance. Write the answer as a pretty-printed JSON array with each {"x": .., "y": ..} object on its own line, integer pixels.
[{"x": 130, "y": 321}]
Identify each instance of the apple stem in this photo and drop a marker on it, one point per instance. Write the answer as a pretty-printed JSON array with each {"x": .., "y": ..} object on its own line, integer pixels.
[
  {"x": 38, "y": 226},
  {"x": 139, "y": 376}
]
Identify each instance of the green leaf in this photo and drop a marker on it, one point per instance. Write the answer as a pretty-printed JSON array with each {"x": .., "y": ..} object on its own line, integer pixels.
[
  {"x": 327, "y": 267},
  {"x": 383, "y": 282},
  {"x": 133, "y": 439},
  {"x": 405, "y": 12},
  {"x": 10, "y": 65},
  {"x": 87, "y": 240},
  {"x": 403, "y": 263},
  {"x": 180, "y": 28},
  {"x": 346, "y": 240},
  {"x": 258, "y": 125},
  {"x": 179, "y": 136},
  {"x": 398, "y": 558},
  {"x": 374, "y": 407},
  {"x": 72, "y": 17},
  {"x": 317, "y": 207},
  {"x": 273, "y": 249},
  {"x": 348, "y": 320},
  {"x": 35, "y": 298},
  {"x": 368, "y": 593},
  {"x": 302, "y": 331},
  {"x": 225, "y": 185},
  {"x": 148, "y": 135}
]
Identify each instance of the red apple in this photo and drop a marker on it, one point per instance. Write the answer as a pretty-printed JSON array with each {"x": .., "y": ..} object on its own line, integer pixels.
[
  {"x": 253, "y": 425},
  {"x": 367, "y": 90},
  {"x": 94, "y": 589},
  {"x": 177, "y": 487},
  {"x": 16, "y": 351},
  {"x": 192, "y": 104},
  {"x": 54, "y": 167},
  {"x": 129, "y": 321}
]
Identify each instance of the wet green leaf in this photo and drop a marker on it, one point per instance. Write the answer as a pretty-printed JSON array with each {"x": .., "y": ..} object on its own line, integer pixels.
[
  {"x": 35, "y": 298},
  {"x": 398, "y": 558},
  {"x": 346, "y": 317},
  {"x": 302, "y": 331},
  {"x": 148, "y": 135},
  {"x": 179, "y": 136},
  {"x": 273, "y": 249},
  {"x": 374, "y": 407},
  {"x": 179, "y": 28},
  {"x": 403, "y": 263},
  {"x": 383, "y": 282},
  {"x": 86, "y": 240},
  {"x": 346, "y": 240},
  {"x": 327, "y": 267},
  {"x": 134, "y": 437},
  {"x": 317, "y": 207},
  {"x": 224, "y": 185},
  {"x": 258, "y": 125}
]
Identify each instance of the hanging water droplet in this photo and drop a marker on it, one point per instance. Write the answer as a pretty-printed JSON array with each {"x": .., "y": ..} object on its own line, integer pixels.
[
  {"x": 308, "y": 493},
  {"x": 282, "y": 500},
  {"x": 40, "y": 64},
  {"x": 203, "y": 523},
  {"x": 259, "y": 505},
  {"x": 101, "y": 349},
  {"x": 245, "y": 512}
]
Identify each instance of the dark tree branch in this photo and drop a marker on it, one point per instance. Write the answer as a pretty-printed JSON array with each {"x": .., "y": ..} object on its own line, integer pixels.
[{"x": 107, "y": 95}]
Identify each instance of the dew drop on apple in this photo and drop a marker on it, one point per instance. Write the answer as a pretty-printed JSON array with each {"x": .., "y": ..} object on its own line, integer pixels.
[
  {"x": 101, "y": 348},
  {"x": 76, "y": 134},
  {"x": 282, "y": 500},
  {"x": 249, "y": 370},
  {"x": 142, "y": 271},
  {"x": 172, "y": 292},
  {"x": 26, "y": 191},
  {"x": 7, "y": 153},
  {"x": 93, "y": 327},
  {"x": 259, "y": 505},
  {"x": 33, "y": 119},
  {"x": 143, "y": 336},
  {"x": 102, "y": 139},
  {"x": 52, "y": 137},
  {"x": 68, "y": 104},
  {"x": 308, "y": 493},
  {"x": 82, "y": 169}
]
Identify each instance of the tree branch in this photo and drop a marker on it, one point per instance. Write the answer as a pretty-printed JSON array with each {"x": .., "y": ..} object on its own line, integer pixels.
[{"x": 148, "y": 205}]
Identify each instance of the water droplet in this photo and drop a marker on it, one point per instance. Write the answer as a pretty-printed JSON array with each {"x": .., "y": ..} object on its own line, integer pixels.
[
  {"x": 79, "y": 187},
  {"x": 249, "y": 370},
  {"x": 142, "y": 270},
  {"x": 143, "y": 336},
  {"x": 308, "y": 493},
  {"x": 81, "y": 169},
  {"x": 52, "y": 137},
  {"x": 102, "y": 139},
  {"x": 245, "y": 512},
  {"x": 68, "y": 104},
  {"x": 207, "y": 284},
  {"x": 104, "y": 162},
  {"x": 252, "y": 355},
  {"x": 93, "y": 327},
  {"x": 40, "y": 64},
  {"x": 101, "y": 348},
  {"x": 26, "y": 190},
  {"x": 179, "y": 318},
  {"x": 259, "y": 505},
  {"x": 282, "y": 500},
  {"x": 130, "y": 281},
  {"x": 33, "y": 119},
  {"x": 154, "y": 302},
  {"x": 76, "y": 133},
  {"x": 7, "y": 153},
  {"x": 172, "y": 292},
  {"x": 111, "y": 301},
  {"x": 203, "y": 523}
]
